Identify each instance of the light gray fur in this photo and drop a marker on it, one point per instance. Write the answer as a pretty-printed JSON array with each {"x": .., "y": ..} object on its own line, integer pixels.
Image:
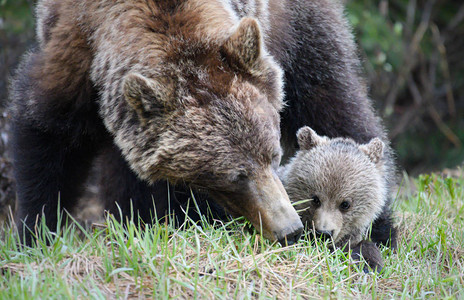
[{"x": 337, "y": 170}]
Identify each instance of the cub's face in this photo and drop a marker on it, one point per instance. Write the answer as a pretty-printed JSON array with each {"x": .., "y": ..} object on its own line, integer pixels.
[{"x": 337, "y": 185}]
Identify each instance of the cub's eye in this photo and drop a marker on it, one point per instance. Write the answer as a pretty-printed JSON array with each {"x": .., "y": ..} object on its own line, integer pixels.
[
  {"x": 345, "y": 205},
  {"x": 316, "y": 201}
]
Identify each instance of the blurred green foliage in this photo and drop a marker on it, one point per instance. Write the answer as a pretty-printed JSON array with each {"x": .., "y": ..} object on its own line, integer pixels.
[
  {"x": 413, "y": 55},
  {"x": 16, "y": 36},
  {"x": 16, "y": 16},
  {"x": 381, "y": 41}
]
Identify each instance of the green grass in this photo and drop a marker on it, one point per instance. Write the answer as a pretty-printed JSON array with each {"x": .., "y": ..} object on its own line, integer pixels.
[{"x": 225, "y": 261}]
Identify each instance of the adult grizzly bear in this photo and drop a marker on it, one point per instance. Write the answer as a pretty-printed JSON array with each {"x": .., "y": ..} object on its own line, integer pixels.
[{"x": 185, "y": 92}]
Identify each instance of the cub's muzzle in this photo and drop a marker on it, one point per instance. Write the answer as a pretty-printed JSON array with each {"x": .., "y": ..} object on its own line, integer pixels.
[{"x": 324, "y": 234}]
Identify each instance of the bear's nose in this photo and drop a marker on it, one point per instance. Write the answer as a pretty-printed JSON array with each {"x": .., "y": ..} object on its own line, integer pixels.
[
  {"x": 291, "y": 238},
  {"x": 324, "y": 234}
]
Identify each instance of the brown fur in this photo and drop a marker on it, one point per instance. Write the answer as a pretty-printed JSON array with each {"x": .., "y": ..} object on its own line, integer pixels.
[{"x": 185, "y": 89}]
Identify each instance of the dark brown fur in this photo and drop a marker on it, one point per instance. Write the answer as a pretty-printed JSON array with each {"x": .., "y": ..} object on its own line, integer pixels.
[{"x": 324, "y": 86}]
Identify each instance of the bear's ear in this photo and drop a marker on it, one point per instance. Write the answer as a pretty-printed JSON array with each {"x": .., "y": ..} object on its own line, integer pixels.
[
  {"x": 308, "y": 138},
  {"x": 374, "y": 150},
  {"x": 146, "y": 96},
  {"x": 243, "y": 48}
]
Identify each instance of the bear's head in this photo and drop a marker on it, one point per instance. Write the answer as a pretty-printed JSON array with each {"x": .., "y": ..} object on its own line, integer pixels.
[
  {"x": 208, "y": 116},
  {"x": 337, "y": 185}
]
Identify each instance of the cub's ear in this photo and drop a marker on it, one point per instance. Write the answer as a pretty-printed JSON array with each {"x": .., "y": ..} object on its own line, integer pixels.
[
  {"x": 308, "y": 138},
  {"x": 146, "y": 96},
  {"x": 374, "y": 150},
  {"x": 243, "y": 48}
]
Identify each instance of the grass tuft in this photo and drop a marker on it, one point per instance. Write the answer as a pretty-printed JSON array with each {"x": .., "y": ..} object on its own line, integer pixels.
[{"x": 203, "y": 260}]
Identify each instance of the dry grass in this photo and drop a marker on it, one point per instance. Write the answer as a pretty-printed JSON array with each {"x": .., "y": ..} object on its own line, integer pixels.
[{"x": 224, "y": 261}]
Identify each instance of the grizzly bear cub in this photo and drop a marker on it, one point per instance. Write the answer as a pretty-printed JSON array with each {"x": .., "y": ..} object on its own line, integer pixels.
[{"x": 343, "y": 184}]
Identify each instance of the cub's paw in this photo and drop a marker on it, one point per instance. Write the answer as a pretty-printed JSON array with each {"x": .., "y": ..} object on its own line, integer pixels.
[{"x": 371, "y": 254}]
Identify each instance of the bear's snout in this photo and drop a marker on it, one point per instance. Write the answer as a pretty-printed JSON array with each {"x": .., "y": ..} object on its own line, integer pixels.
[
  {"x": 273, "y": 212},
  {"x": 287, "y": 239}
]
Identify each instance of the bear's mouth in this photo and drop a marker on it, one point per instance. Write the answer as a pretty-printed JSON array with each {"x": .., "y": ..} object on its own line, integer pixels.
[{"x": 266, "y": 205}]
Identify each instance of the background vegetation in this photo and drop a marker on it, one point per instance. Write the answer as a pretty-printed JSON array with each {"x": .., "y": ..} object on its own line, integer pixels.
[{"x": 413, "y": 54}]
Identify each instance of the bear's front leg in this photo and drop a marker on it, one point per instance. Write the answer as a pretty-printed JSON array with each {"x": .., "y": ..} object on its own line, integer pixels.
[
  {"x": 371, "y": 254},
  {"x": 383, "y": 231},
  {"x": 56, "y": 132},
  {"x": 124, "y": 194},
  {"x": 50, "y": 170}
]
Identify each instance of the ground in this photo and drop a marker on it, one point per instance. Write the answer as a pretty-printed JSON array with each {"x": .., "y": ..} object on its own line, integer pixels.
[{"x": 229, "y": 262}]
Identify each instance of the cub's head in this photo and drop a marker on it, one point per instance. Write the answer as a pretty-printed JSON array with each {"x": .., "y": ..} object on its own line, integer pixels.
[
  {"x": 210, "y": 118},
  {"x": 336, "y": 184}
]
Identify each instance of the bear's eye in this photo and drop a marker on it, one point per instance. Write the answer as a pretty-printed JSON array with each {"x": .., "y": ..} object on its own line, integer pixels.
[
  {"x": 316, "y": 201},
  {"x": 241, "y": 177},
  {"x": 345, "y": 205}
]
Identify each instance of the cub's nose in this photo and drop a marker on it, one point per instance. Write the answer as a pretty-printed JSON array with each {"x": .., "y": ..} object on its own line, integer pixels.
[
  {"x": 324, "y": 234},
  {"x": 292, "y": 237}
]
